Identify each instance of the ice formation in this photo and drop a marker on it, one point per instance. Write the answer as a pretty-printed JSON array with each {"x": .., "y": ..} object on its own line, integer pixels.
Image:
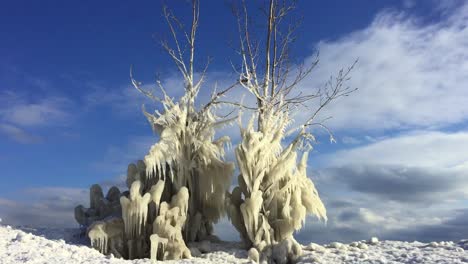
[
  {"x": 176, "y": 193},
  {"x": 100, "y": 207},
  {"x": 254, "y": 255},
  {"x": 188, "y": 155},
  {"x": 156, "y": 193},
  {"x": 274, "y": 193},
  {"x": 107, "y": 236},
  {"x": 185, "y": 174},
  {"x": 156, "y": 242},
  {"x": 98, "y": 237},
  {"x": 135, "y": 210},
  {"x": 151, "y": 223},
  {"x": 167, "y": 229}
]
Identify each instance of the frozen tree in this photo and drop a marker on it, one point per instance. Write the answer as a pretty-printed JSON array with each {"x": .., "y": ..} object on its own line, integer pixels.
[
  {"x": 274, "y": 194},
  {"x": 187, "y": 153},
  {"x": 178, "y": 191}
]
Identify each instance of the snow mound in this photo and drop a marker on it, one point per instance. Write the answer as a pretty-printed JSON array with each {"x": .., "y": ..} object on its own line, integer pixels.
[
  {"x": 45, "y": 246},
  {"x": 374, "y": 251},
  {"x": 18, "y": 246}
]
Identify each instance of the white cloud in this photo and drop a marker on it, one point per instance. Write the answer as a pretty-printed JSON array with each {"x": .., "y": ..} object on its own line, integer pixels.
[
  {"x": 414, "y": 167},
  {"x": 417, "y": 149},
  {"x": 410, "y": 74},
  {"x": 124, "y": 100},
  {"x": 20, "y": 117},
  {"x": 46, "y": 111},
  {"x": 413, "y": 184},
  {"x": 411, "y": 77}
]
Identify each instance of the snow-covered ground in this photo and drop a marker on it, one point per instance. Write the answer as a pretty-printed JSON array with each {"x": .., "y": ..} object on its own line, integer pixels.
[{"x": 64, "y": 246}]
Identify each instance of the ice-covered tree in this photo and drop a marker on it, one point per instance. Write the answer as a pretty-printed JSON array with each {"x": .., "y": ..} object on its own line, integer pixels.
[
  {"x": 274, "y": 194},
  {"x": 178, "y": 191},
  {"x": 187, "y": 154}
]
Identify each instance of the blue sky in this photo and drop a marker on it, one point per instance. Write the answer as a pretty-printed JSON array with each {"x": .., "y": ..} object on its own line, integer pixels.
[{"x": 69, "y": 117}]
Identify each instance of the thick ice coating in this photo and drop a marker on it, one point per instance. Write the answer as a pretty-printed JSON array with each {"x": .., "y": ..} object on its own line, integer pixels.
[
  {"x": 277, "y": 193},
  {"x": 135, "y": 210}
]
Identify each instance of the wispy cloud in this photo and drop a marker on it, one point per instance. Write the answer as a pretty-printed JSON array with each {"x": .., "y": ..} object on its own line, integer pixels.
[
  {"x": 118, "y": 157},
  {"x": 418, "y": 149},
  {"x": 20, "y": 116},
  {"x": 126, "y": 101},
  {"x": 17, "y": 110},
  {"x": 19, "y": 135}
]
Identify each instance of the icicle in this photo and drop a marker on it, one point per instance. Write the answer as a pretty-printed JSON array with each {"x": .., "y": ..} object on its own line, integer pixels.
[
  {"x": 135, "y": 210},
  {"x": 156, "y": 241},
  {"x": 98, "y": 237},
  {"x": 156, "y": 193}
]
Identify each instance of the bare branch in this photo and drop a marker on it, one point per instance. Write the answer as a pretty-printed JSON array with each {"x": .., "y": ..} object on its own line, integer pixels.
[
  {"x": 332, "y": 93},
  {"x": 336, "y": 91},
  {"x": 179, "y": 60},
  {"x": 195, "y": 16},
  {"x": 137, "y": 85},
  {"x": 197, "y": 86},
  {"x": 237, "y": 104},
  {"x": 271, "y": 20},
  {"x": 215, "y": 97}
]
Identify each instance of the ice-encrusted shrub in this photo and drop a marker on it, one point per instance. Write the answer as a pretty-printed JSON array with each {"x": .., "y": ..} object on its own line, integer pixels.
[
  {"x": 274, "y": 194},
  {"x": 187, "y": 152},
  {"x": 178, "y": 191},
  {"x": 189, "y": 156}
]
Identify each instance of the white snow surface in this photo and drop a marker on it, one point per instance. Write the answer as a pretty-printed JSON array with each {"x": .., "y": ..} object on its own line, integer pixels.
[{"x": 28, "y": 245}]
